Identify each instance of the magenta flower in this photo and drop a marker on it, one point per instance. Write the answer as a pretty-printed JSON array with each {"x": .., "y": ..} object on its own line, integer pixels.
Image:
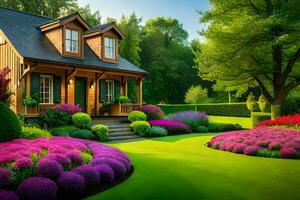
[
  {"x": 5, "y": 175},
  {"x": 23, "y": 163},
  {"x": 152, "y": 112},
  {"x": 173, "y": 127}
]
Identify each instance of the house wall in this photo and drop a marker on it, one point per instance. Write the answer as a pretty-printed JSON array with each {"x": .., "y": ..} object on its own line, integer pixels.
[
  {"x": 55, "y": 37},
  {"x": 95, "y": 43},
  {"x": 9, "y": 57}
]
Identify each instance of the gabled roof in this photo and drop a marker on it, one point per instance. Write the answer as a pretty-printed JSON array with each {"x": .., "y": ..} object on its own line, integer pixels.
[
  {"x": 104, "y": 28},
  {"x": 64, "y": 20},
  {"x": 23, "y": 32}
]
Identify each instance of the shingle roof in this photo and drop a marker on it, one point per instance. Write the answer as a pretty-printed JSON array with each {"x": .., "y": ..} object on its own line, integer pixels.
[
  {"x": 23, "y": 32},
  {"x": 100, "y": 27}
]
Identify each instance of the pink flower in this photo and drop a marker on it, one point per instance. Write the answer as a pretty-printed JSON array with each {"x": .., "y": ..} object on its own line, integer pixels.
[
  {"x": 23, "y": 163},
  {"x": 288, "y": 152}
]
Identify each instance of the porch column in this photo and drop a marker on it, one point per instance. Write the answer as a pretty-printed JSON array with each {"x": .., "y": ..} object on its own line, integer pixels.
[
  {"x": 139, "y": 91},
  {"x": 124, "y": 87}
]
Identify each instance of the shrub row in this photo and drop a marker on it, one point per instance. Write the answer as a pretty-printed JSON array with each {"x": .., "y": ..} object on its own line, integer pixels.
[{"x": 222, "y": 109}]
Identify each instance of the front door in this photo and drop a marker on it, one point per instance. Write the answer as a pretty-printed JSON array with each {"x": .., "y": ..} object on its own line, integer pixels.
[{"x": 80, "y": 93}]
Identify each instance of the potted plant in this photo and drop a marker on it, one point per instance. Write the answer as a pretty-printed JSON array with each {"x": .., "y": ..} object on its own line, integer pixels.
[
  {"x": 122, "y": 100},
  {"x": 31, "y": 103},
  {"x": 105, "y": 109}
]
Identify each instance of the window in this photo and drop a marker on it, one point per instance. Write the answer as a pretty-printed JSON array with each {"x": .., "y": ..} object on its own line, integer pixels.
[
  {"x": 110, "y": 88},
  {"x": 109, "y": 44},
  {"x": 71, "y": 41},
  {"x": 46, "y": 88}
]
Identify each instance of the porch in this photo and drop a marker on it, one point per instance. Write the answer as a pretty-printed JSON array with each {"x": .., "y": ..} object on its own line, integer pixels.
[{"x": 92, "y": 89}]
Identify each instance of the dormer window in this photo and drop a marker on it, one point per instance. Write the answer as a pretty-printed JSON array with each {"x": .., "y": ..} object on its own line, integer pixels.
[
  {"x": 71, "y": 41},
  {"x": 110, "y": 46}
]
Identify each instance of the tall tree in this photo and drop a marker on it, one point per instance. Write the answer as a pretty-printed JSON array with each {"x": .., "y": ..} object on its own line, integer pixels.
[
  {"x": 49, "y": 8},
  {"x": 93, "y": 19},
  {"x": 253, "y": 42}
]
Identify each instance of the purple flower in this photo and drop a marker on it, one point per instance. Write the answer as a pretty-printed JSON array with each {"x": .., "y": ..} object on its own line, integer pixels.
[
  {"x": 251, "y": 150},
  {"x": 190, "y": 118},
  {"x": 119, "y": 169},
  {"x": 49, "y": 168},
  {"x": 75, "y": 157},
  {"x": 8, "y": 195},
  {"x": 107, "y": 174},
  {"x": 89, "y": 173},
  {"x": 173, "y": 127},
  {"x": 5, "y": 175},
  {"x": 71, "y": 109},
  {"x": 70, "y": 185},
  {"x": 23, "y": 163},
  {"x": 152, "y": 112},
  {"x": 288, "y": 152},
  {"x": 37, "y": 188}
]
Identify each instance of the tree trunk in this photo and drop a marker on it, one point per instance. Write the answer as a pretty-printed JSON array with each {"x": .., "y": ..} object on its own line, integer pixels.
[{"x": 275, "y": 111}]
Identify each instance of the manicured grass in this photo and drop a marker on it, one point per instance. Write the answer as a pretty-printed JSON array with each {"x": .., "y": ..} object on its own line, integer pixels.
[
  {"x": 182, "y": 167},
  {"x": 245, "y": 122}
]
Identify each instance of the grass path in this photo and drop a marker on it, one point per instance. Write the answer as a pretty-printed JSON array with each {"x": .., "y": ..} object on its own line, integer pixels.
[{"x": 181, "y": 167}]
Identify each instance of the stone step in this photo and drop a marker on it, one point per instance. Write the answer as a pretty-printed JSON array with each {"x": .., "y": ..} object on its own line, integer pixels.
[
  {"x": 116, "y": 130},
  {"x": 120, "y": 126},
  {"x": 129, "y": 133},
  {"x": 123, "y": 138}
]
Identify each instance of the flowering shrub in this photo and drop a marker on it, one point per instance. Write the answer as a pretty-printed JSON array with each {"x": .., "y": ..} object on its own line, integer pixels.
[
  {"x": 267, "y": 142},
  {"x": 53, "y": 118},
  {"x": 173, "y": 127},
  {"x": 71, "y": 109},
  {"x": 190, "y": 118},
  {"x": 152, "y": 112},
  {"x": 57, "y": 165},
  {"x": 8, "y": 195},
  {"x": 282, "y": 121}
]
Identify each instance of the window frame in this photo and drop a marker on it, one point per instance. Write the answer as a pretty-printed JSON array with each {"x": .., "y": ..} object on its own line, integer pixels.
[
  {"x": 71, "y": 40},
  {"x": 43, "y": 93},
  {"x": 112, "y": 49},
  {"x": 2, "y": 40},
  {"x": 110, "y": 91}
]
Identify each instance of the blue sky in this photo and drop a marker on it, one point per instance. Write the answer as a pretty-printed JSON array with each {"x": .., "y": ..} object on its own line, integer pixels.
[{"x": 183, "y": 10}]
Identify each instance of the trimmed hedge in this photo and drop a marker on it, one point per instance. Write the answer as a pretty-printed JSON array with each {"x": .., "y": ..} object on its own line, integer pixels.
[{"x": 219, "y": 109}]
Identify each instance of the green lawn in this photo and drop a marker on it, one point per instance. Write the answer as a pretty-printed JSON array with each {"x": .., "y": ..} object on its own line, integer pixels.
[
  {"x": 245, "y": 122},
  {"x": 181, "y": 167}
]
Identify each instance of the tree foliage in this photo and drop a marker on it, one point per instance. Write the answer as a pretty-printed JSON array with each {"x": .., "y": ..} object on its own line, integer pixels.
[
  {"x": 93, "y": 19},
  {"x": 252, "y": 42},
  {"x": 195, "y": 94}
]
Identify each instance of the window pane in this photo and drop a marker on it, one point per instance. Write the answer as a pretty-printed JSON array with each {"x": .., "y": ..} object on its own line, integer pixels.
[
  {"x": 68, "y": 45},
  {"x": 75, "y": 35},
  {"x": 68, "y": 34}
]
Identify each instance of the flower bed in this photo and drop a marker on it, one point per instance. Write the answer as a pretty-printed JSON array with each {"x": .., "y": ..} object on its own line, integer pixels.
[
  {"x": 173, "y": 127},
  {"x": 266, "y": 142},
  {"x": 282, "y": 121},
  {"x": 59, "y": 167}
]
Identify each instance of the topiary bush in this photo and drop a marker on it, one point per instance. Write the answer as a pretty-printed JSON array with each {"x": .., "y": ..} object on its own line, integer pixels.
[
  {"x": 219, "y": 127},
  {"x": 34, "y": 132},
  {"x": 202, "y": 129},
  {"x": 152, "y": 112},
  {"x": 10, "y": 126},
  {"x": 137, "y": 116},
  {"x": 101, "y": 131},
  {"x": 53, "y": 118},
  {"x": 156, "y": 131},
  {"x": 83, "y": 134},
  {"x": 81, "y": 120},
  {"x": 70, "y": 185},
  {"x": 140, "y": 127},
  {"x": 49, "y": 169},
  {"x": 90, "y": 175}
]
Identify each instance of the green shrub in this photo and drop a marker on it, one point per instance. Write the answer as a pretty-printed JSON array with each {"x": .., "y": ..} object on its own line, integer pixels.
[
  {"x": 32, "y": 132},
  {"x": 87, "y": 157},
  {"x": 83, "y": 134},
  {"x": 140, "y": 127},
  {"x": 219, "y": 127},
  {"x": 53, "y": 118},
  {"x": 202, "y": 129},
  {"x": 218, "y": 109},
  {"x": 81, "y": 120},
  {"x": 137, "y": 116},
  {"x": 10, "y": 125},
  {"x": 101, "y": 131},
  {"x": 156, "y": 131},
  {"x": 122, "y": 100},
  {"x": 214, "y": 127},
  {"x": 264, "y": 153},
  {"x": 291, "y": 105},
  {"x": 64, "y": 130},
  {"x": 258, "y": 117}
]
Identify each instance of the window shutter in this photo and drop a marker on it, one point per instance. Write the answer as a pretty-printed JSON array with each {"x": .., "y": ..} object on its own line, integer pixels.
[
  {"x": 102, "y": 91},
  {"x": 117, "y": 89},
  {"x": 34, "y": 83},
  {"x": 57, "y": 89}
]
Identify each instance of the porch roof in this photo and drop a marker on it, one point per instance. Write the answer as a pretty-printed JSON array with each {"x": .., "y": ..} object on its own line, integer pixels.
[{"x": 22, "y": 29}]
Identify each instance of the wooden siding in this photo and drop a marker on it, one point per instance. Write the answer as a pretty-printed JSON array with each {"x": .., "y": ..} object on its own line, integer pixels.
[
  {"x": 95, "y": 43},
  {"x": 9, "y": 57},
  {"x": 55, "y": 37}
]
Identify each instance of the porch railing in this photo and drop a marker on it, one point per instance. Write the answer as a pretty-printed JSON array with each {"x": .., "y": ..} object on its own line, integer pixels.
[
  {"x": 123, "y": 109},
  {"x": 33, "y": 111}
]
